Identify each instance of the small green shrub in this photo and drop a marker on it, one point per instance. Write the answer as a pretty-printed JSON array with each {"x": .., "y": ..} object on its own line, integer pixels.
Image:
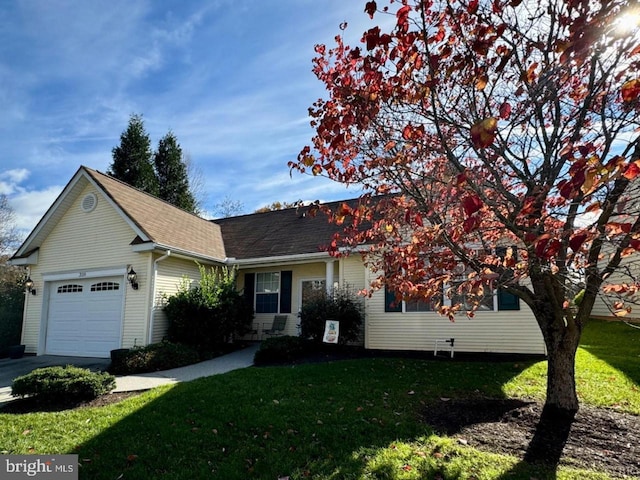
[
  {"x": 342, "y": 305},
  {"x": 152, "y": 358},
  {"x": 54, "y": 384},
  {"x": 281, "y": 350}
]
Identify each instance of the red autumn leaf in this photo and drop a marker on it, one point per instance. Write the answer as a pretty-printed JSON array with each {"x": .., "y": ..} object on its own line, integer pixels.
[
  {"x": 483, "y": 133},
  {"x": 371, "y": 37},
  {"x": 577, "y": 240},
  {"x": 406, "y": 132},
  {"x": 632, "y": 171},
  {"x": 418, "y": 220},
  {"x": 471, "y": 204},
  {"x": 471, "y": 223},
  {"x": 344, "y": 210},
  {"x": 541, "y": 243},
  {"x": 473, "y": 6},
  {"x": 403, "y": 18},
  {"x": 630, "y": 90},
  {"x": 370, "y": 8},
  {"x": 316, "y": 170},
  {"x": 552, "y": 248},
  {"x": 505, "y": 111}
]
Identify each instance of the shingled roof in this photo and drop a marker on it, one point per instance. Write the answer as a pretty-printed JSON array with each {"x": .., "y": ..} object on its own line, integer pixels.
[
  {"x": 292, "y": 231},
  {"x": 163, "y": 223}
]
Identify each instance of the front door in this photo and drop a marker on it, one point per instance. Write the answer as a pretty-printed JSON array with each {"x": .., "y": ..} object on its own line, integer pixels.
[{"x": 310, "y": 289}]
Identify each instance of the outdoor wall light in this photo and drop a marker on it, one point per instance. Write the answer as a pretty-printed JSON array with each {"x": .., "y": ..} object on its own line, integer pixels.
[
  {"x": 132, "y": 276},
  {"x": 29, "y": 285}
]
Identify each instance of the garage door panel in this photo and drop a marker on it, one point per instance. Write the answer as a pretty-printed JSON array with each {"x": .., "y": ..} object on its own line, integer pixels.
[{"x": 84, "y": 317}]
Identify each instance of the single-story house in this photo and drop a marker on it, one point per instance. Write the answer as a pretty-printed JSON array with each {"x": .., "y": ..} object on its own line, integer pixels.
[{"x": 84, "y": 299}]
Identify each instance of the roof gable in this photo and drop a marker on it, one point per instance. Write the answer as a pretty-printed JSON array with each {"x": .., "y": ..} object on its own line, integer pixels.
[{"x": 153, "y": 221}]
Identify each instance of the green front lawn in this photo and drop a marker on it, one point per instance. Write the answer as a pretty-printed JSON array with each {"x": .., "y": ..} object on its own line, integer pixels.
[{"x": 350, "y": 419}]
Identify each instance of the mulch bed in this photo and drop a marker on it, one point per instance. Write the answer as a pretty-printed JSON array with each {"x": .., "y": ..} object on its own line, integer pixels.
[{"x": 601, "y": 439}]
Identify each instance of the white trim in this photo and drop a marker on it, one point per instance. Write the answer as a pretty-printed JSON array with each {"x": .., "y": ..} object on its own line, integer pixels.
[
  {"x": 282, "y": 259},
  {"x": 308, "y": 279},
  {"x": 32, "y": 259},
  {"x": 81, "y": 274},
  {"x": 154, "y": 281},
  {"x": 175, "y": 252}
]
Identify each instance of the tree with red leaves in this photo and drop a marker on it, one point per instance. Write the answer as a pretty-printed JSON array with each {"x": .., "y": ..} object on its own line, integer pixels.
[{"x": 473, "y": 125}]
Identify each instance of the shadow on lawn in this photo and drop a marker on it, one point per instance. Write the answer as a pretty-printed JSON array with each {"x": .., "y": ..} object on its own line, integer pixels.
[
  {"x": 616, "y": 343},
  {"x": 309, "y": 420},
  {"x": 546, "y": 447}
]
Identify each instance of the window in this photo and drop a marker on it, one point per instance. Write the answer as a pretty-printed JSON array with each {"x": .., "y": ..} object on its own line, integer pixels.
[
  {"x": 71, "y": 288},
  {"x": 420, "y": 306},
  {"x": 503, "y": 301},
  {"x": 267, "y": 292},
  {"x": 484, "y": 300},
  {"x": 104, "y": 286}
]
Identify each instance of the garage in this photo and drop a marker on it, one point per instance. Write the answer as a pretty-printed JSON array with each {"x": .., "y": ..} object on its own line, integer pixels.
[{"x": 84, "y": 317}]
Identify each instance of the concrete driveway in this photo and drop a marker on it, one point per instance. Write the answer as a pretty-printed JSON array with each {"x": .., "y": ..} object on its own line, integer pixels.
[{"x": 12, "y": 368}]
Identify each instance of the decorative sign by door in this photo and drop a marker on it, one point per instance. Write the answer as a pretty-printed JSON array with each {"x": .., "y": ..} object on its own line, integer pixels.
[{"x": 331, "y": 331}]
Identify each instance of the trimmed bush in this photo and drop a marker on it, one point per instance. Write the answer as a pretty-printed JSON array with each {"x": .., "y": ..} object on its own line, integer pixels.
[
  {"x": 342, "y": 305},
  {"x": 55, "y": 384},
  {"x": 210, "y": 315},
  {"x": 152, "y": 358},
  {"x": 281, "y": 350}
]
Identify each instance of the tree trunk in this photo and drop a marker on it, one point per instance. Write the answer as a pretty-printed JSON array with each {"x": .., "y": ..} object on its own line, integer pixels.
[{"x": 562, "y": 343}]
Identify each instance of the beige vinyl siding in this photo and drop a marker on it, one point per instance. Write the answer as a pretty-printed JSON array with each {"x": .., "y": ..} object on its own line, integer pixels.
[
  {"x": 600, "y": 308},
  {"x": 352, "y": 272},
  {"x": 171, "y": 272},
  {"x": 82, "y": 242},
  {"x": 496, "y": 332}
]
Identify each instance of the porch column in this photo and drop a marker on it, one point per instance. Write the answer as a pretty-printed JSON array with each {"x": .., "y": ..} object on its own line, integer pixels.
[{"x": 329, "y": 276}]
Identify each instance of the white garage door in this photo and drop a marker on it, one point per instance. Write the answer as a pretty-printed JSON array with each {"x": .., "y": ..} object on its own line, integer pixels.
[{"x": 85, "y": 317}]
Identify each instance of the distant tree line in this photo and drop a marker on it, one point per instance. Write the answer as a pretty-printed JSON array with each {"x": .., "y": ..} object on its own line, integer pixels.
[{"x": 163, "y": 173}]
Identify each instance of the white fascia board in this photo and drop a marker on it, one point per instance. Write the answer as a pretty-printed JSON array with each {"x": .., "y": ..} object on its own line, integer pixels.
[
  {"x": 175, "y": 252},
  {"x": 282, "y": 259},
  {"x": 32, "y": 259}
]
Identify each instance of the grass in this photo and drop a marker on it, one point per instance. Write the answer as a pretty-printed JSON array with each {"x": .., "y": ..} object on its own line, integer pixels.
[{"x": 354, "y": 419}]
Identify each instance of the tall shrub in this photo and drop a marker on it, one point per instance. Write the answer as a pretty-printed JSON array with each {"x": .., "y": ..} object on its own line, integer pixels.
[
  {"x": 11, "y": 306},
  {"x": 342, "y": 305},
  {"x": 210, "y": 314}
]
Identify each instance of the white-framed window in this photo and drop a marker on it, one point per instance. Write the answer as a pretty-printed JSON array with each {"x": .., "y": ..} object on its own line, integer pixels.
[{"x": 267, "y": 292}]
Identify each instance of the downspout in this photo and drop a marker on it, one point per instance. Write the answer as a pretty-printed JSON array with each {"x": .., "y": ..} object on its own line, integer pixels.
[{"x": 153, "y": 293}]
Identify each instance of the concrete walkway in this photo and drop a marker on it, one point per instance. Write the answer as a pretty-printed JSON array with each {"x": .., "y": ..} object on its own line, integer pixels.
[
  {"x": 10, "y": 369},
  {"x": 226, "y": 363}
]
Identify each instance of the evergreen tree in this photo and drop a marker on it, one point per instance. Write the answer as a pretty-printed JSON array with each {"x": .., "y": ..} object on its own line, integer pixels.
[
  {"x": 171, "y": 173},
  {"x": 132, "y": 159}
]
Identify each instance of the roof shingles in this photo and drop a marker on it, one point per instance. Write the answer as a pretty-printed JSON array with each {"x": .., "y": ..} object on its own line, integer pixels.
[{"x": 161, "y": 222}]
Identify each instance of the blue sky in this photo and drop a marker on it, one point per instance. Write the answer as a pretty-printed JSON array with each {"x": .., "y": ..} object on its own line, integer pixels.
[{"x": 231, "y": 78}]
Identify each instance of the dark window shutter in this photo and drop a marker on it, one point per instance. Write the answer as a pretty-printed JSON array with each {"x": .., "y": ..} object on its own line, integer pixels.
[
  {"x": 390, "y": 303},
  {"x": 507, "y": 301},
  {"x": 286, "y": 281},
  {"x": 249, "y": 288}
]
